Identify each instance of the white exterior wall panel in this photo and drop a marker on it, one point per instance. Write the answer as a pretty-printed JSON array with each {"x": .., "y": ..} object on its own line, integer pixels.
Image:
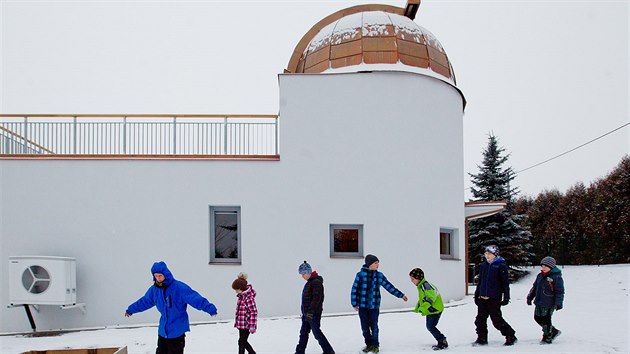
[{"x": 379, "y": 149}]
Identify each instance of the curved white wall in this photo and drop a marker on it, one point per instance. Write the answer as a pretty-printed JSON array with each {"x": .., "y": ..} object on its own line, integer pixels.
[{"x": 379, "y": 149}]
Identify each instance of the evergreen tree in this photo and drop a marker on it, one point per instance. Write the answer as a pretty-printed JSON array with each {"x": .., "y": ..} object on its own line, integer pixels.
[{"x": 503, "y": 229}]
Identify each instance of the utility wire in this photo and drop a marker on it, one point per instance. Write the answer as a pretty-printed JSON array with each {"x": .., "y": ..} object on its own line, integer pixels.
[
  {"x": 568, "y": 151},
  {"x": 575, "y": 148}
]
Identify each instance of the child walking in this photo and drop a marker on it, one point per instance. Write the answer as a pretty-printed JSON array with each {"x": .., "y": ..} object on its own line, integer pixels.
[
  {"x": 312, "y": 307},
  {"x": 430, "y": 305},
  {"x": 548, "y": 292},
  {"x": 246, "y": 312},
  {"x": 365, "y": 297}
]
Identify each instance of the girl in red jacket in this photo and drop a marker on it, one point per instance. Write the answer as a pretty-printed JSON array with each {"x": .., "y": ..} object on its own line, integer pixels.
[{"x": 246, "y": 312}]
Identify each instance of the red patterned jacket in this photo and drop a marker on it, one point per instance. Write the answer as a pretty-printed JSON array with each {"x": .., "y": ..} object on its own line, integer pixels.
[{"x": 246, "y": 311}]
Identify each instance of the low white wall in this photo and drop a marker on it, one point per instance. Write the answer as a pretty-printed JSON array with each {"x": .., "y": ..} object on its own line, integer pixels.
[{"x": 379, "y": 149}]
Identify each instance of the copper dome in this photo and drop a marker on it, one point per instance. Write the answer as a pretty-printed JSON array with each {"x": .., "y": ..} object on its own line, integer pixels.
[{"x": 370, "y": 37}]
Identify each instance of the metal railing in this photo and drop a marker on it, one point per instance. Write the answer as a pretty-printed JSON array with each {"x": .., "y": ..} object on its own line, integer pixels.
[{"x": 138, "y": 135}]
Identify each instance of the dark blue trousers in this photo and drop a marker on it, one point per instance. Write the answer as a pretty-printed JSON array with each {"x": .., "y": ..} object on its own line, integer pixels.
[
  {"x": 432, "y": 321},
  {"x": 369, "y": 325},
  {"x": 307, "y": 327}
]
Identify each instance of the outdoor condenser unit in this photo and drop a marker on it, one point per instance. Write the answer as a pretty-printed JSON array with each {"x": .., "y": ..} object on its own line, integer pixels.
[{"x": 42, "y": 280}]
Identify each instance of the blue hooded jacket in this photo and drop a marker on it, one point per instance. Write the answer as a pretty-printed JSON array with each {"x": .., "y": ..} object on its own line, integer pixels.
[
  {"x": 493, "y": 280},
  {"x": 171, "y": 299}
]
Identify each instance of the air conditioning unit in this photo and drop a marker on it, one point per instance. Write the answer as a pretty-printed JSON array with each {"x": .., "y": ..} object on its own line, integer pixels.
[{"x": 42, "y": 280}]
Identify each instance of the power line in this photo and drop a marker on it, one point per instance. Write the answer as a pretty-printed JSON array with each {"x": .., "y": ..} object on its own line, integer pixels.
[
  {"x": 575, "y": 148},
  {"x": 568, "y": 151}
]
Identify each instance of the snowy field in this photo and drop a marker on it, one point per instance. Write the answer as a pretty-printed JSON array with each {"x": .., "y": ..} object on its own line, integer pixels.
[{"x": 595, "y": 319}]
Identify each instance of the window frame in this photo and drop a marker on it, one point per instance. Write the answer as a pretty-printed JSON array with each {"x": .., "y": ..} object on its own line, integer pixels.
[
  {"x": 333, "y": 253},
  {"x": 212, "y": 236},
  {"x": 452, "y": 243}
]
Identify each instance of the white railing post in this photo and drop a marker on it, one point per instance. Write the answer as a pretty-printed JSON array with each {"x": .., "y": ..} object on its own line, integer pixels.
[
  {"x": 74, "y": 133},
  {"x": 124, "y": 136},
  {"x": 25, "y": 145},
  {"x": 174, "y": 135},
  {"x": 225, "y": 136},
  {"x": 277, "y": 135}
]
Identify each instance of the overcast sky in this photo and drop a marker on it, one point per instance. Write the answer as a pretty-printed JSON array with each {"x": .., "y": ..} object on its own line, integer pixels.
[{"x": 543, "y": 76}]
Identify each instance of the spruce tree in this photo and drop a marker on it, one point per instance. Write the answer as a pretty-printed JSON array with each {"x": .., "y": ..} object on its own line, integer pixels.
[{"x": 503, "y": 229}]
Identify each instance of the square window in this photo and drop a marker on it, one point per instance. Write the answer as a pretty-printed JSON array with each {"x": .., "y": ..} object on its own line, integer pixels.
[
  {"x": 225, "y": 234},
  {"x": 448, "y": 243},
  {"x": 346, "y": 240}
]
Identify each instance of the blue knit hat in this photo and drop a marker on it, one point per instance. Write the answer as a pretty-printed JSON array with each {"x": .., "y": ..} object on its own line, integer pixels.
[{"x": 305, "y": 268}]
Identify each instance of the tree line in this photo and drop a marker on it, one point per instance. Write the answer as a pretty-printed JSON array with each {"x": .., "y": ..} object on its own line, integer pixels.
[{"x": 586, "y": 225}]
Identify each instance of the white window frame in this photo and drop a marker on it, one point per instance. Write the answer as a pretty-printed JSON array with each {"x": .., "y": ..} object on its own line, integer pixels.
[{"x": 453, "y": 240}]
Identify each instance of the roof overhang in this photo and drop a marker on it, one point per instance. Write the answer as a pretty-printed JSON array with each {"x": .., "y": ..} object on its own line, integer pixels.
[{"x": 476, "y": 210}]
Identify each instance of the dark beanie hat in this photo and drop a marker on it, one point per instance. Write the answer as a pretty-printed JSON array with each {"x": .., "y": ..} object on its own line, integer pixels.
[
  {"x": 369, "y": 259},
  {"x": 417, "y": 273},
  {"x": 240, "y": 283},
  {"x": 548, "y": 261}
]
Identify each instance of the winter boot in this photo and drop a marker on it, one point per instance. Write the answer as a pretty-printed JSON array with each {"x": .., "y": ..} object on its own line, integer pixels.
[
  {"x": 546, "y": 340},
  {"x": 443, "y": 344},
  {"x": 369, "y": 349},
  {"x": 555, "y": 333},
  {"x": 510, "y": 340},
  {"x": 374, "y": 349},
  {"x": 480, "y": 341}
]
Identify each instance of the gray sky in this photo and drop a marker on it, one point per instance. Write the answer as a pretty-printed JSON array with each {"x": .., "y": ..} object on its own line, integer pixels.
[{"x": 543, "y": 76}]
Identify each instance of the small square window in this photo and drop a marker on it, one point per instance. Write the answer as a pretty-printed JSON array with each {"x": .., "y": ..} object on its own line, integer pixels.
[
  {"x": 346, "y": 240},
  {"x": 225, "y": 234}
]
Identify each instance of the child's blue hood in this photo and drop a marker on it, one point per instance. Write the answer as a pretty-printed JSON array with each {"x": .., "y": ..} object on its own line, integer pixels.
[{"x": 160, "y": 267}]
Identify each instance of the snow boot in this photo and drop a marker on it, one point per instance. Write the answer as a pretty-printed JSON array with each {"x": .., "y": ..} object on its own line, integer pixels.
[
  {"x": 510, "y": 340},
  {"x": 555, "y": 333},
  {"x": 374, "y": 349},
  {"x": 367, "y": 349},
  {"x": 546, "y": 340},
  {"x": 480, "y": 341},
  {"x": 443, "y": 344}
]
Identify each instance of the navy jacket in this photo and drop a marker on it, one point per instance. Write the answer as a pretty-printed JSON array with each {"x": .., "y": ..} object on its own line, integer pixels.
[
  {"x": 366, "y": 289},
  {"x": 493, "y": 280},
  {"x": 548, "y": 289},
  {"x": 171, "y": 299}
]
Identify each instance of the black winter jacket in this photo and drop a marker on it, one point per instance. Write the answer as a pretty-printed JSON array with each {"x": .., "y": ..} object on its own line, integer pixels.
[{"x": 313, "y": 295}]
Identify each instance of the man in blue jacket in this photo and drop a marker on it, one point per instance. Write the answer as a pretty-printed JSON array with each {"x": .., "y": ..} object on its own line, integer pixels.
[
  {"x": 171, "y": 298},
  {"x": 493, "y": 291}
]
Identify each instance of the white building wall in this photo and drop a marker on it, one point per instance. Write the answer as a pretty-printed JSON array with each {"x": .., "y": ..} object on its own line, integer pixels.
[{"x": 379, "y": 149}]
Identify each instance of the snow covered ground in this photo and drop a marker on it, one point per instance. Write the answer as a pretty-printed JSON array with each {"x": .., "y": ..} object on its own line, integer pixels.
[{"x": 595, "y": 319}]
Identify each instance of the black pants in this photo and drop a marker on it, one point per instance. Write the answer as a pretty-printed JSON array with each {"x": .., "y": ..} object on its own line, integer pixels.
[
  {"x": 315, "y": 326},
  {"x": 171, "y": 345},
  {"x": 492, "y": 308},
  {"x": 243, "y": 344}
]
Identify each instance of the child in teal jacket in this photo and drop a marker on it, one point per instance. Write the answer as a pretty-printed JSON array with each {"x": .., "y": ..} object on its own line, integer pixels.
[{"x": 430, "y": 305}]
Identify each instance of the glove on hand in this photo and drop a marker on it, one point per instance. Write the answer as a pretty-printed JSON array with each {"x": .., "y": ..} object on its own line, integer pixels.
[
  {"x": 529, "y": 302},
  {"x": 558, "y": 307},
  {"x": 309, "y": 317},
  {"x": 505, "y": 302}
]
